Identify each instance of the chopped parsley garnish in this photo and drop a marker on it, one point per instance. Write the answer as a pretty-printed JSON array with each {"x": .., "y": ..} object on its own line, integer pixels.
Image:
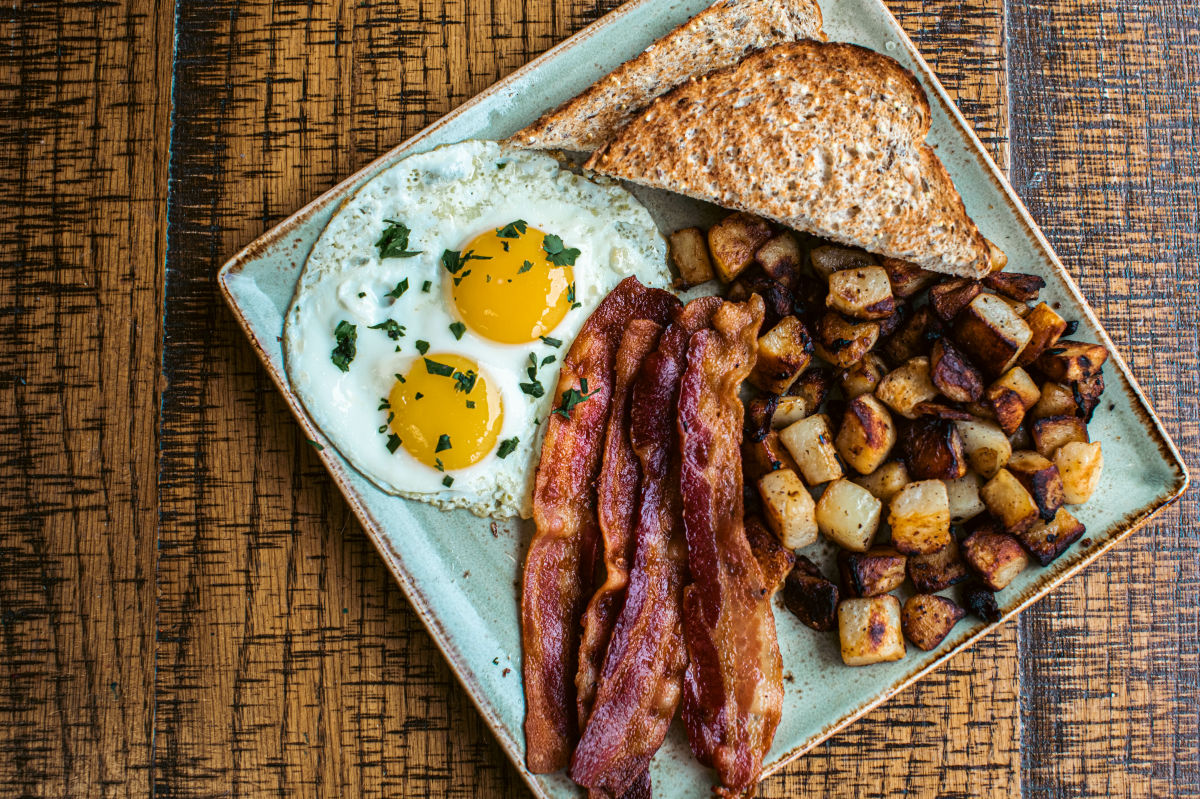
[
  {"x": 400, "y": 378},
  {"x": 394, "y": 241},
  {"x": 547, "y": 359},
  {"x": 507, "y": 446},
  {"x": 501, "y": 164},
  {"x": 470, "y": 403},
  {"x": 437, "y": 464},
  {"x": 533, "y": 389},
  {"x": 418, "y": 396},
  {"x": 347, "y": 336},
  {"x": 512, "y": 230},
  {"x": 447, "y": 481},
  {"x": 389, "y": 326},
  {"x": 572, "y": 397},
  {"x": 316, "y": 445},
  {"x": 525, "y": 267},
  {"x": 458, "y": 328},
  {"x": 459, "y": 278},
  {"x": 384, "y": 403},
  {"x": 362, "y": 294},
  {"x": 393, "y": 443},
  {"x": 551, "y": 342},
  {"x": 435, "y": 368},
  {"x": 443, "y": 443},
  {"x": 425, "y": 286},
  {"x": 571, "y": 296},
  {"x": 503, "y": 244},
  {"x": 557, "y": 253},
  {"x": 465, "y": 382},
  {"x": 422, "y": 346},
  {"x": 454, "y": 261},
  {"x": 398, "y": 292}
]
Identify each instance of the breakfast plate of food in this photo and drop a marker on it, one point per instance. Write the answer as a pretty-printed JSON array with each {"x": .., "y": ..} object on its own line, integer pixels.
[{"x": 703, "y": 383}]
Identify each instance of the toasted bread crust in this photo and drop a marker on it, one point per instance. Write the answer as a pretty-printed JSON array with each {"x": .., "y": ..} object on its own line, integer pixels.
[
  {"x": 822, "y": 137},
  {"x": 717, "y": 37}
]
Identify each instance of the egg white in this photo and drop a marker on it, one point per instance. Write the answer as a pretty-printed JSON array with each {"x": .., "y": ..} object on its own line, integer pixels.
[{"x": 446, "y": 197}]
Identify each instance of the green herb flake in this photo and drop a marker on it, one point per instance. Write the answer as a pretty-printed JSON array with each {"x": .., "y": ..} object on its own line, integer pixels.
[
  {"x": 547, "y": 360},
  {"x": 453, "y": 260},
  {"x": 557, "y": 253},
  {"x": 443, "y": 443},
  {"x": 458, "y": 328},
  {"x": 362, "y": 294},
  {"x": 394, "y": 331},
  {"x": 384, "y": 404},
  {"x": 512, "y": 230},
  {"x": 437, "y": 464},
  {"x": 440, "y": 369},
  {"x": 551, "y": 342},
  {"x": 525, "y": 267},
  {"x": 425, "y": 286},
  {"x": 418, "y": 396},
  {"x": 347, "y": 336},
  {"x": 571, "y": 296},
  {"x": 470, "y": 403},
  {"x": 447, "y": 481},
  {"x": 572, "y": 397},
  {"x": 316, "y": 445},
  {"x": 400, "y": 378},
  {"x": 393, "y": 443},
  {"x": 533, "y": 389},
  {"x": 398, "y": 292},
  {"x": 394, "y": 241},
  {"x": 422, "y": 346},
  {"x": 465, "y": 382},
  {"x": 507, "y": 447}
]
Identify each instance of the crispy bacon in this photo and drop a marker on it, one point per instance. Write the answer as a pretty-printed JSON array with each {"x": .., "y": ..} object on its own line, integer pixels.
[
  {"x": 560, "y": 566},
  {"x": 616, "y": 503},
  {"x": 640, "y": 683},
  {"x": 733, "y": 686}
]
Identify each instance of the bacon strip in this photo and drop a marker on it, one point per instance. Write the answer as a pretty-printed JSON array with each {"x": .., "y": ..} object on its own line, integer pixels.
[
  {"x": 617, "y": 499},
  {"x": 560, "y": 566},
  {"x": 640, "y": 683},
  {"x": 733, "y": 687}
]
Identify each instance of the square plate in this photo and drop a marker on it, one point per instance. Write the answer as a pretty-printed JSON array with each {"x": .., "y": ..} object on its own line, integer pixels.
[{"x": 474, "y": 619}]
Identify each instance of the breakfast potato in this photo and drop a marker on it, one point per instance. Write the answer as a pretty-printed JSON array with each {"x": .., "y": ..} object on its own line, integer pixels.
[
  {"x": 863, "y": 377},
  {"x": 1021, "y": 439},
  {"x": 1020, "y": 383},
  {"x": 927, "y": 619},
  {"x": 862, "y": 292},
  {"x": 952, "y": 295},
  {"x": 953, "y": 374},
  {"x": 788, "y": 507},
  {"x": 997, "y": 558},
  {"x": 997, "y": 258},
  {"x": 1045, "y": 541},
  {"x": 963, "y": 494},
  {"x": 784, "y": 352},
  {"x": 1079, "y": 465},
  {"x": 766, "y": 455},
  {"x": 906, "y": 277},
  {"x": 1015, "y": 285},
  {"x": 932, "y": 449},
  {"x": 774, "y": 558},
  {"x": 734, "y": 240},
  {"x": 781, "y": 258},
  {"x": 789, "y": 409},
  {"x": 830, "y": 258},
  {"x": 938, "y": 570},
  {"x": 907, "y": 386},
  {"x": 871, "y": 573},
  {"x": 867, "y": 434},
  {"x": 1010, "y": 397},
  {"x": 760, "y": 411},
  {"x": 1009, "y": 502},
  {"x": 1071, "y": 361},
  {"x": 981, "y": 601},
  {"x": 1047, "y": 328},
  {"x": 891, "y": 323},
  {"x": 1087, "y": 394},
  {"x": 920, "y": 518},
  {"x": 1052, "y": 432},
  {"x": 886, "y": 481},
  {"x": 942, "y": 410},
  {"x": 1040, "y": 477},
  {"x": 803, "y": 399},
  {"x": 991, "y": 334},
  {"x": 986, "y": 445},
  {"x": 869, "y": 630},
  {"x": 811, "y": 444},
  {"x": 811, "y": 597},
  {"x": 1055, "y": 400},
  {"x": 842, "y": 342},
  {"x": 912, "y": 338},
  {"x": 848, "y": 515},
  {"x": 689, "y": 253}
]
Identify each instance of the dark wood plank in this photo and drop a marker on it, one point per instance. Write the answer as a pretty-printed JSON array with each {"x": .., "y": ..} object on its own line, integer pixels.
[{"x": 83, "y": 160}]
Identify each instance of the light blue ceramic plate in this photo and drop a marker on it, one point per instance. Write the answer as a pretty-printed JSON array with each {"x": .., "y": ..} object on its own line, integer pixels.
[{"x": 475, "y": 619}]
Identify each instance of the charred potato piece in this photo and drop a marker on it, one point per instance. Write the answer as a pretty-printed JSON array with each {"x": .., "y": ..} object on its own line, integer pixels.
[
  {"x": 1020, "y": 439},
  {"x": 848, "y": 515},
  {"x": 830, "y": 258},
  {"x": 1053, "y": 432},
  {"x": 689, "y": 253},
  {"x": 1071, "y": 361},
  {"x": 842, "y": 342},
  {"x": 1087, "y": 394},
  {"x": 963, "y": 494},
  {"x": 1079, "y": 465},
  {"x": 1055, "y": 400},
  {"x": 759, "y": 413},
  {"x": 920, "y": 518},
  {"x": 991, "y": 334},
  {"x": 886, "y": 481},
  {"x": 869, "y": 630},
  {"x": 891, "y": 323},
  {"x": 907, "y": 386},
  {"x": 1045, "y": 541},
  {"x": 1015, "y": 285},
  {"x": 783, "y": 353},
  {"x": 982, "y": 602},
  {"x": 811, "y": 444},
  {"x": 941, "y": 410},
  {"x": 927, "y": 620},
  {"x": 789, "y": 409},
  {"x": 953, "y": 374},
  {"x": 906, "y": 277},
  {"x": 788, "y": 507},
  {"x": 767, "y": 455},
  {"x": 781, "y": 258},
  {"x": 937, "y": 570},
  {"x": 1040, "y": 478},
  {"x": 997, "y": 259},
  {"x": 1047, "y": 328},
  {"x": 773, "y": 557},
  {"x": 734, "y": 240},
  {"x": 804, "y": 397},
  {"x": 871, "y": 573},
  {"x": 933, "y": 449},
  {"x": 811, "y": 597},
  {"x": 1011, "y": 396},
  {"x": 952, "y": 295},
  {"x": 913, "y": 336},
  {"x": 1009, "y": 502},
  {"x": 986, "y": 445},
  {"x": 867, "y": 434},
  {"x": 863, "y": 377},
  {"x": 863, "y": 293},
  {"x": 997, "y": 558}
]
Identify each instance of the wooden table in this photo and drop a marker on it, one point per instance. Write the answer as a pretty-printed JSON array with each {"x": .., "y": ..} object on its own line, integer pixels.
[{"x": 188, "y": 608}]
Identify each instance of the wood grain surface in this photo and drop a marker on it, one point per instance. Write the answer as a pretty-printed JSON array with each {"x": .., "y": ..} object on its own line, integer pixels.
[{"x": 187, "y": 606}]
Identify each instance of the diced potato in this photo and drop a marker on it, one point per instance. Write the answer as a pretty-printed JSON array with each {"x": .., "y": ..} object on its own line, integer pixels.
[
  {"x": 953, "y": 374},
  {"x": 803, "y": 398},
  {"x": 920, "y": 518},
  {"x": 767, "y": 455},
  {"x": 1020, "y": 439},
  {"x": 863, "y": 293},
  {"x": 937, "y": 571},
  {"x": 986, "y": 446},
  {"x": 1087, "y": 394},
  {"x": 997, "y": 259},
  {"x": 907, "y": 386},
  {"x": 1053, "y": 432},
  {"x": 871, "y": 573},
  {"x": 1011, "y": 396},
  {"x": 789, "y": 410},
  {"x": 927, "y": 619},
  {"x": 843, "y": 342},
  {"x": 886, "y": 481},
  {"x": 1047, "y": 328},
  {"x": 783, "y": 353},
  {"x": 911, "y": 339},
  {"x": 1009, "y": 502},
  {"x": 863, "y": 377},
  {"x": 1015, "y": 285},
  {"x": 997, "y": 558},
  {"x": 789, "y": 508},
  {"x": 890, "y": 323},
  {"x": 1071, "y": 361},
  {"x": 933, "y": 449},
  {"x": 963, "y": 494},
  {"x": 867, "y": 434},
  {"x": 1055, "y": 400},
  {"x": 942, "y": 410},
  {"x": 830, "y": 258},
  {"x": 811, "y": 444},
  {"x": 760, "y": 411},
  {"x": 981, "y": 601},
  {"x": 869, "y": 630},
  {"x": 991, "y": 333},
  {"x": 781, "y": 259},
  {"x": 689, "y": 253},
  {"x": 734, "y": 240},
  {"x": 810, "y": 596},
  {"x": 1040, "y": 478},
  {"x": 774, "y": 558},
  {"x": 1019, "y": 381},
  {"x": 906, "y": 277},
  {"x": 848, "y": 515},
  {"x": 1079, "y": 465},
  {"x": 952, "y": 295},
  {"x": 1047, "y": 540}
]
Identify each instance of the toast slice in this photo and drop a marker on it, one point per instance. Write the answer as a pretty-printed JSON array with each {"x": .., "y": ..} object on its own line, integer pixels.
[
  {"x": 827, "y": 138},
  {"x": 717, "y": 37}
]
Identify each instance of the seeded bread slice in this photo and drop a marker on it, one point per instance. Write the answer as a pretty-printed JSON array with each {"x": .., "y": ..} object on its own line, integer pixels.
[
  {"x": 717, "y": 37},
  {"x": 827, "y": 138}
]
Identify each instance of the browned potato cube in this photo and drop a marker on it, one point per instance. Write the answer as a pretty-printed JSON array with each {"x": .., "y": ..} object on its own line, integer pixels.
[
  {"x": 788, "y": 507},
  {"x": 995, "y": 556},
  {"x": 867, "y": 435},
  {"x": 981, "y": 601},
  {"x": 1055, "y": 400},
  {"x": 1047, "y": 328},
  {"x": 890, "y": 323},
  {"x": 1040, "y": 478},
  {"x": 1015, "y": 285},
  {"x": 830, "y": 258},
  {"x": 986, "y": 445},
  {"x": 781, "y": 259},
  {"x": 863, "y": 377},
  {"x": 920, "y": 518},
  {"x": 927, "y": 620},
  {"x": 783, "y": 353},
  {"x": 933, "y": 449},
  {"x": 871, "y": 573},
  {"x": 804, "y": 398},
  {"x": 906, "y": 277},
  {"x": 734, "y": 240},
  {"x": 1087, "y": 394},
  {"x": 907, "y": 386},
  {"x": 863, "y": 293},
  {"x": 811, "y": 444},
  {"x": 1019, "y": 381},
  {"x": 810, "y": 596},
  {"x": 953, "y": 374},
  {"x": 1011, "y": 396},
  {"x": 689, "y": 253},
  {"x": 942, "y": 410},
  {"x": 773, "y": 557},
  {"x": 937, "y": 570},
  {"x": 991, "y": 334},
  {"x": 963, "y": 494},
  {"x": 869, "y": 630},
  {"x": 1052, "y": 432},
  {"x": 1071, "y": 361},
  {"x": 842, "y": 342},
  {"x": 886, "y": 481},
  {"x": 760, "y": 411},
  {"x": 1020, "y": 439},
  {"x": 1079, "y": 465},
  {"x": 767, "y": 455},
  {"x": 789, "y": 409},
  {"x": 952, "y": 295},
  {"x": 848, "y": 515},
  {"x": 1047, "y": 540},
  {"x": 1009, "y": 502},
  {"x": 911, "y": 339},
  {"x": 996, "y": 257}
]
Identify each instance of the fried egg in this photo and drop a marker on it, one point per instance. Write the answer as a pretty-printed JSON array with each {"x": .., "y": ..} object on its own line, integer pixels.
[{"x": 425, "y": 335}]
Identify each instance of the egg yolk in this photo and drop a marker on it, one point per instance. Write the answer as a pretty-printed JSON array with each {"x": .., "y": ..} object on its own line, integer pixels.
[
  {"x": 509, "y": 290},
  {"x": 444, "y": 412}
]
